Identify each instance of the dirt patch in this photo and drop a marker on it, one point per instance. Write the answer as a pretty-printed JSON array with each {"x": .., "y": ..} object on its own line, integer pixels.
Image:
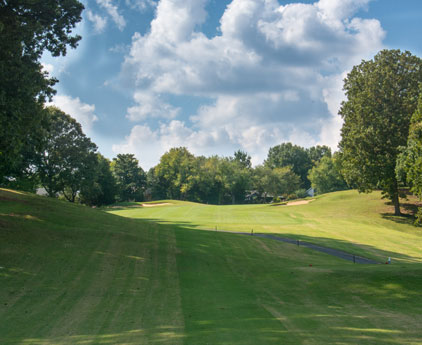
[
  {"x": 155, "y": 205},
  {"x": 301, "y": 202}
]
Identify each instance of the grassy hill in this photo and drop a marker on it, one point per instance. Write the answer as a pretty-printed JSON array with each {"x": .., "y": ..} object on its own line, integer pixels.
[{"x": 75, "y": 275}]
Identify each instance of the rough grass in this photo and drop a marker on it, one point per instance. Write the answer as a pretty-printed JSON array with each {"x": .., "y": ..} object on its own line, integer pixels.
[{"x": 75, "y": 275}]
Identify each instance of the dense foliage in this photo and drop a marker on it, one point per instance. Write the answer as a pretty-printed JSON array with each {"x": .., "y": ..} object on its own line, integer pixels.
[
  {"x": 381, "y": 97},
  {"x": 27, "y": 29}
]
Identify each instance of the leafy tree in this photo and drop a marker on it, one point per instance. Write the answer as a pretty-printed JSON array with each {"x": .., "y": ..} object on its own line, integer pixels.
[
  {"x": 102, "y": 190},
  {"x": 275, "y": 182},
  {"x": 316, "y": 153},
  {"x": 381, "y": 97},
  {"x": 27, "y": 29},
  {"x": 294, "y": 156},
  {"x": 174, "y": 173},
  {"x": 326, "y": 177},
  {"x": 68, "y": 159},
  {"x": 130, "y": 177},
  {"x": 235, "y": 179},
  {"x": 243, "y": 158},
  {"x": 409, "y": 162}
]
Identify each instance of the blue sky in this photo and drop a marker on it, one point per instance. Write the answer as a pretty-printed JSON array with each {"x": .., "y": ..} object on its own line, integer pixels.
[{"x": 221, "y": 75}]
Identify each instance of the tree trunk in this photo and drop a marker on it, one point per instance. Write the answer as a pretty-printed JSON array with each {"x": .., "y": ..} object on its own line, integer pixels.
[{"x": 396, "y": 204}]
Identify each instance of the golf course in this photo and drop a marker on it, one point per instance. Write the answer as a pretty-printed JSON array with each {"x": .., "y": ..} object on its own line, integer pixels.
[{"x": 174, "y": 272}]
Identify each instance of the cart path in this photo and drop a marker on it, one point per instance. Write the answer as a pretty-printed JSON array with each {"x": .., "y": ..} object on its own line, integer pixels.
[{"x": 331, "y": 251}]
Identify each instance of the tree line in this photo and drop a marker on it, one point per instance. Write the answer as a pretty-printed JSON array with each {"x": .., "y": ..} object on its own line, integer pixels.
[
  {"x": 66, "y": 163},
  {"x": 380, "y": 147}
]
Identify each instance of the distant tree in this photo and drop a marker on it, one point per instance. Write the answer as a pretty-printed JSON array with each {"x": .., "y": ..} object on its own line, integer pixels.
[
  {"x": 67, "y": 160},
  {"x": 243, "y": 158},
  {"x": 316, "y": 153},
  {"x": 27, "y": 29},
  {"x": 235, "y": 179},
  {"x": 129, "y": 176},
  {"x": 275, "y": 182},
  {"x": 381, "y": 97},
  {"x": 102, "y": 189},
  {"x": 294, "y": 156},
  {"x": 284, "y": 181},
  {"x": 174, "y": 173},
  {"x": 326, "y": 177}
]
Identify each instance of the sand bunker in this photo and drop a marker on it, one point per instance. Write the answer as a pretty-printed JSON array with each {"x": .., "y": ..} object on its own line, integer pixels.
[
  {"x": 158, "y": 204},
  {"x": 301, "y": 202}
]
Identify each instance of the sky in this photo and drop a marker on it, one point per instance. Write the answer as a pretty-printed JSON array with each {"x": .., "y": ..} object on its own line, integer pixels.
[{"x": 217, "y": 76}]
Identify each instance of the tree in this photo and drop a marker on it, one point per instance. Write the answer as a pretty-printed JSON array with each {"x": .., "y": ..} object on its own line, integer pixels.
[
  {"x": 67, "y": 161},
  {"x": 381, "y": 97},
  {"x": 102, "y": 190},
  {"x": 243, "y": 158},
  {"x": 294, "y": 156},
  {"x": 316, "y": 153},
  {"x": 27, "y": 29},
  {"x": 409, "y": 162},
  {"x": 325, "y": 177},
  {"x": 275, "y": 182},
  {"x": 235, "y": 179},
  {"x": 174, "y": 173},
  {"x": 130, "y": 177}
]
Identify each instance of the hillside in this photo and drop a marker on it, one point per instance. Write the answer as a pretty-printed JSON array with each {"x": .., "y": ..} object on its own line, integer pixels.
[{"x": 75, "y": 275}]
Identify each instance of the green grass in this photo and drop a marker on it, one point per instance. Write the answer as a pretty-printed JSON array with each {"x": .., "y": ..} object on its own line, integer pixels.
[
  {"x": 358, "y": 223},
  {"x": 75, "y": 275}
]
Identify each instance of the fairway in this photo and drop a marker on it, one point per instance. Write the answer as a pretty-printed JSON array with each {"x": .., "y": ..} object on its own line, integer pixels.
[
  {"x": 152, "y": 275},
  {"x": 356, "y": 223}
]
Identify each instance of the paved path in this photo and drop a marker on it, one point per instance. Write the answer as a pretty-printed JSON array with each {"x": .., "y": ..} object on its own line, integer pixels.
[{"x": 335, "y": 252}]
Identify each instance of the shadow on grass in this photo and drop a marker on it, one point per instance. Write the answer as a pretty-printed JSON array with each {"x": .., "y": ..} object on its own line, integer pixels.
[{"x": 87, "y": 266}]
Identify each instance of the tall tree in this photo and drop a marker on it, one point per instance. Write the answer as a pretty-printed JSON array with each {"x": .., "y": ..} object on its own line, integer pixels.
[
  {"x": 381, "y": 97},
  {"x": 67, "y": 160},
  {"x": 294, "y": 156},
  {"x": 409, "y": 162},
  {"x": 27, "y": 29},
  {"x": 130, "y": 177}
]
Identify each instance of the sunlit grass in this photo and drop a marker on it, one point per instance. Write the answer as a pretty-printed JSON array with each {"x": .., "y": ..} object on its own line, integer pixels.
[{"x": 75, "y": 275}]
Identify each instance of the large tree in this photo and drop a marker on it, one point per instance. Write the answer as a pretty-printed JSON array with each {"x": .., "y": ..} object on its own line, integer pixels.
[
  {"x": 27, "y": 29},
  {"x": 409, "y": 162},
  {"x": 67, "y": 161},
  {"x": 381, "y": 97}
]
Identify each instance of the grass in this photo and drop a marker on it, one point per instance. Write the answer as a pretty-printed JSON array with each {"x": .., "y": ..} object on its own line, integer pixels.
[
  {"x": 358, "y": 223},
  {"x": 74, "y": 275}
]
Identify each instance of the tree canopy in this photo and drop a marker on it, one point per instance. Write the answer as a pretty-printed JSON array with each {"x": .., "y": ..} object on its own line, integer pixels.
[
  {"x": 381, "y": 97},
  {"x": 27, "y": 29},
  {"x": 67, "y": 160}
]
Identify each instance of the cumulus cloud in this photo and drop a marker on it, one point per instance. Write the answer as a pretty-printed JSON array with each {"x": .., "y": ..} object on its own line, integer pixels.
[
  {"x": 150, "y": 105},
  {"x": 82, "y": 112},
  {"x": 113, "y": 12},
  {"x": 98, "y": 21},
  {"x": 274, "y": 73}
]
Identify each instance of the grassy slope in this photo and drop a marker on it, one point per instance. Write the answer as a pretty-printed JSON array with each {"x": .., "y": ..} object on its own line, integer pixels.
[
  {"x": 344, "y": 220},
  {"x": 73, "y": 275}
]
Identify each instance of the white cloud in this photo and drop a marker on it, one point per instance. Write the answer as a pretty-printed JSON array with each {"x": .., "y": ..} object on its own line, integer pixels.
[
  {"x": 141, "y": 5},
  {"x": 81, "y": 112},
  {"x": 98, "y": 21},
  {"x": 150, "y": 105},
  {"x": 113, "y": 12},
  {"x": 275, "y": 72}
]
